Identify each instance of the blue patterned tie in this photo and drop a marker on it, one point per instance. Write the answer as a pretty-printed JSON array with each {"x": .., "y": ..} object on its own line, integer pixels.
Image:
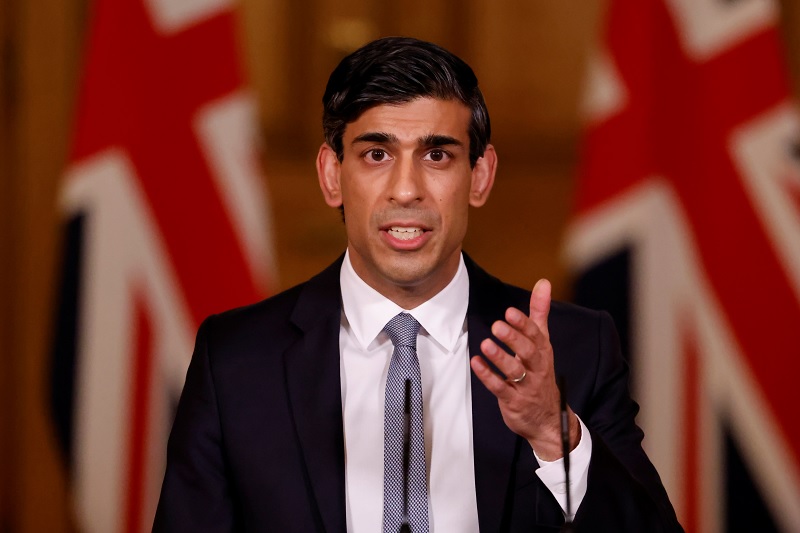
[{"x": 402, "y": 330}]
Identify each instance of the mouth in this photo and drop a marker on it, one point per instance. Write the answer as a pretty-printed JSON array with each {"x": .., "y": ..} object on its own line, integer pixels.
[
  {"x": 405, "y": 233},
  {"x": 408, "y": 237}
]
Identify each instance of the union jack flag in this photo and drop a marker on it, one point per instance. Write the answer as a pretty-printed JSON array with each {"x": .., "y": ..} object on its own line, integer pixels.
[
  {"x": 166, "y": 222},
  {"x": 690, "y": 186}
]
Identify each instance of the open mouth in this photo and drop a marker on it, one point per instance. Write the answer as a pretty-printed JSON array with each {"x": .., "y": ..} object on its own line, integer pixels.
[{"x": 404, "y": 233}]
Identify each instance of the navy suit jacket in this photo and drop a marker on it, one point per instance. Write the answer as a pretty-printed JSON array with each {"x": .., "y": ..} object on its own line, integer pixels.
[{"x": 257, "y": 443}]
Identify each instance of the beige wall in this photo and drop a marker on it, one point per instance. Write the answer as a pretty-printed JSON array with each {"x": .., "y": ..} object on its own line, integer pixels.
[{"x": 528, "y": 54}]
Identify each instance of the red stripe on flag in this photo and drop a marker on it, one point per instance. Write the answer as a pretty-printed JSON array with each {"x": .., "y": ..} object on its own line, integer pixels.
[
  {"x": 142, "y": 372},
  {"x": 691, "y": 435}
]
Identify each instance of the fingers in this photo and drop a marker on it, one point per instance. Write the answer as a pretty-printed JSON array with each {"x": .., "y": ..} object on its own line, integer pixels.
[
  {"x": 511, "y": 367},
  {"x": 525, "y": 336},
  {"x": 490, "y": 379},
  {"x": 529, "y": 407},
  {"x": 522, "y": 327}
]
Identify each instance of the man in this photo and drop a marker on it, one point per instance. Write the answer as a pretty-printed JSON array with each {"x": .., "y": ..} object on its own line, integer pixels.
[{"x": 351, "y": 403}]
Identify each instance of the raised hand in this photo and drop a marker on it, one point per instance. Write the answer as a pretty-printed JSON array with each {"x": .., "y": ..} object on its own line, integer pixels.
[{"x": 528, "y": 397}]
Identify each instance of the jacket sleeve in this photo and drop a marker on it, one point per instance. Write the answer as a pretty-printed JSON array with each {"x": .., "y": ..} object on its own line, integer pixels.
[
  {"x": 624, "y": 491},
  {"x": 196, "y": 493}
]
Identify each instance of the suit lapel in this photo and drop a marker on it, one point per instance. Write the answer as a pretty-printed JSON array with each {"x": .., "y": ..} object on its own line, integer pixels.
[
  {"x": 313, "y": 383},
  {"x": 494, "y": 444}
]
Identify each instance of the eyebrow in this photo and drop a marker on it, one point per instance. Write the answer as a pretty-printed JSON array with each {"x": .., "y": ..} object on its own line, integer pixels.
[
  {"x": 376, "y": 137},
  {"x": 439, "y": 140},
  {"x": 431, "y": 139}
]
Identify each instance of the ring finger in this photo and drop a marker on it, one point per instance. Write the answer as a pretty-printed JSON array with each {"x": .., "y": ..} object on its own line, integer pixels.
[{"x": 510, "y": 366}]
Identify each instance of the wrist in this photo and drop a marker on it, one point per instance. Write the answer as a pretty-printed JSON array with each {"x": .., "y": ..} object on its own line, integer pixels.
[{"x": 548, "y": 447}]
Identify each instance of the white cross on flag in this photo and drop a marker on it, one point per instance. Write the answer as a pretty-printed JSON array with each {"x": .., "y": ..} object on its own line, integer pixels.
[
  {"x": 166, "y": 222},
  {"x": 690, "y": 186}
]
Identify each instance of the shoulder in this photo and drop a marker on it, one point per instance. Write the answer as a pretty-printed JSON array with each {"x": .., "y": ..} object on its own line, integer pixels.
[
  {"x": 489, "y": 292},
  {"x": 573, "y": 318},
  {"x": 268, "y": 310},
  {"x": 246, "y": 331},
  {"x": 277, "y": 318}
]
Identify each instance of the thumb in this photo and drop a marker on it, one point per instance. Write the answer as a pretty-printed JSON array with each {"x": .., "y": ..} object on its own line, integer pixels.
[{"x": 540, "y": 303}]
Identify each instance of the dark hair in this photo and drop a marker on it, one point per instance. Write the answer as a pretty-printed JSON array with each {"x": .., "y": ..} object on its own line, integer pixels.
[{"x": 396, "y": 70}]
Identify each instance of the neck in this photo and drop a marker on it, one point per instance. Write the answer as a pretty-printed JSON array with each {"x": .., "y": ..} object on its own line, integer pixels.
[{"x": 408, "y": 293}]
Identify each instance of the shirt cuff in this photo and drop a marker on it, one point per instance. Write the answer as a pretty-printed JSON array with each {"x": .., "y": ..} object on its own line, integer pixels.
[{"x": 552, "y": 473}]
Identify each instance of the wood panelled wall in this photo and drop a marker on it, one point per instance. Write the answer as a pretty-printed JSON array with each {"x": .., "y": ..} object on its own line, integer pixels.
[
  {"x": 41, "y": 42},
  {"x": 528, "y": 54}
]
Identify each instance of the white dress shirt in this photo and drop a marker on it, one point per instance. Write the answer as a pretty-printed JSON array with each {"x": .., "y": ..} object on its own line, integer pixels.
[{"x": 443, "y": 354}]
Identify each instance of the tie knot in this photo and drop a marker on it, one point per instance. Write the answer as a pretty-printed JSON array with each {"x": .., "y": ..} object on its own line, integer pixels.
[{"x": 402, "y": 330}]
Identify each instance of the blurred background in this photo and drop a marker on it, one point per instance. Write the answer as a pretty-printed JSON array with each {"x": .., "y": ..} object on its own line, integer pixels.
[{"x": 58, "y": 103}]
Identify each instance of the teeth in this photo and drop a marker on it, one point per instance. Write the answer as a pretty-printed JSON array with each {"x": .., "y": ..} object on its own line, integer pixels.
[{"x": 404, "y": 233}]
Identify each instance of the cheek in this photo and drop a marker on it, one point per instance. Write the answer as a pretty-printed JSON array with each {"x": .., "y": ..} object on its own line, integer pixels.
[
  {"x": 359, "y": 193},
  {"x": 352, "y": 197},
  {"x": 358, "y": 212},
  {"x": 453, "y": 203},
  {"x": 454, "y": 212}
]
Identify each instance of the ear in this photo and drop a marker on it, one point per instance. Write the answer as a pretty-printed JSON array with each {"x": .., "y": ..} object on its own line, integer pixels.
[
  {"x": 483, "y": 177},
  {"x": 329, "y": 171}
]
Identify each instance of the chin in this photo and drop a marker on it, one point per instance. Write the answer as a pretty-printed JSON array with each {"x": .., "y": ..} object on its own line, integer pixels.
[
  {"x": 404, "y": 277},
  {"x": 408, "y": 274}
]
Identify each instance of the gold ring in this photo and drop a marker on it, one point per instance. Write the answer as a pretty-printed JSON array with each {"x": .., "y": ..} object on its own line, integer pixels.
[{"x": 519, "y": 379}]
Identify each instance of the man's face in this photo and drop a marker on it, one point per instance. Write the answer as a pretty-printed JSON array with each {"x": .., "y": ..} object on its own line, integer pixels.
[{"x": 406, "y": 186}]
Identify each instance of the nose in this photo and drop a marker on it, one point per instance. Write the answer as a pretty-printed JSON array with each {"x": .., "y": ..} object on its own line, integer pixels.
[{"x": 406, "y": 186}]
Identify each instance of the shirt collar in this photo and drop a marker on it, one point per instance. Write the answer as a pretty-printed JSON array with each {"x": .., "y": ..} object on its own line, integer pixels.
[{"x": 367, "y": 311}]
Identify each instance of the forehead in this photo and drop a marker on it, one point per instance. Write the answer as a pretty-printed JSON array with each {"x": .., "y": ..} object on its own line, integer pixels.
[{"x": 414, "y": 120}]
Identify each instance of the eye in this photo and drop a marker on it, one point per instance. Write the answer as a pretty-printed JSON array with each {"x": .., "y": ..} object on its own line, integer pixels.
[
  {"x": 376, "y": 154},
  {"x": 437, "y": 155}
]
